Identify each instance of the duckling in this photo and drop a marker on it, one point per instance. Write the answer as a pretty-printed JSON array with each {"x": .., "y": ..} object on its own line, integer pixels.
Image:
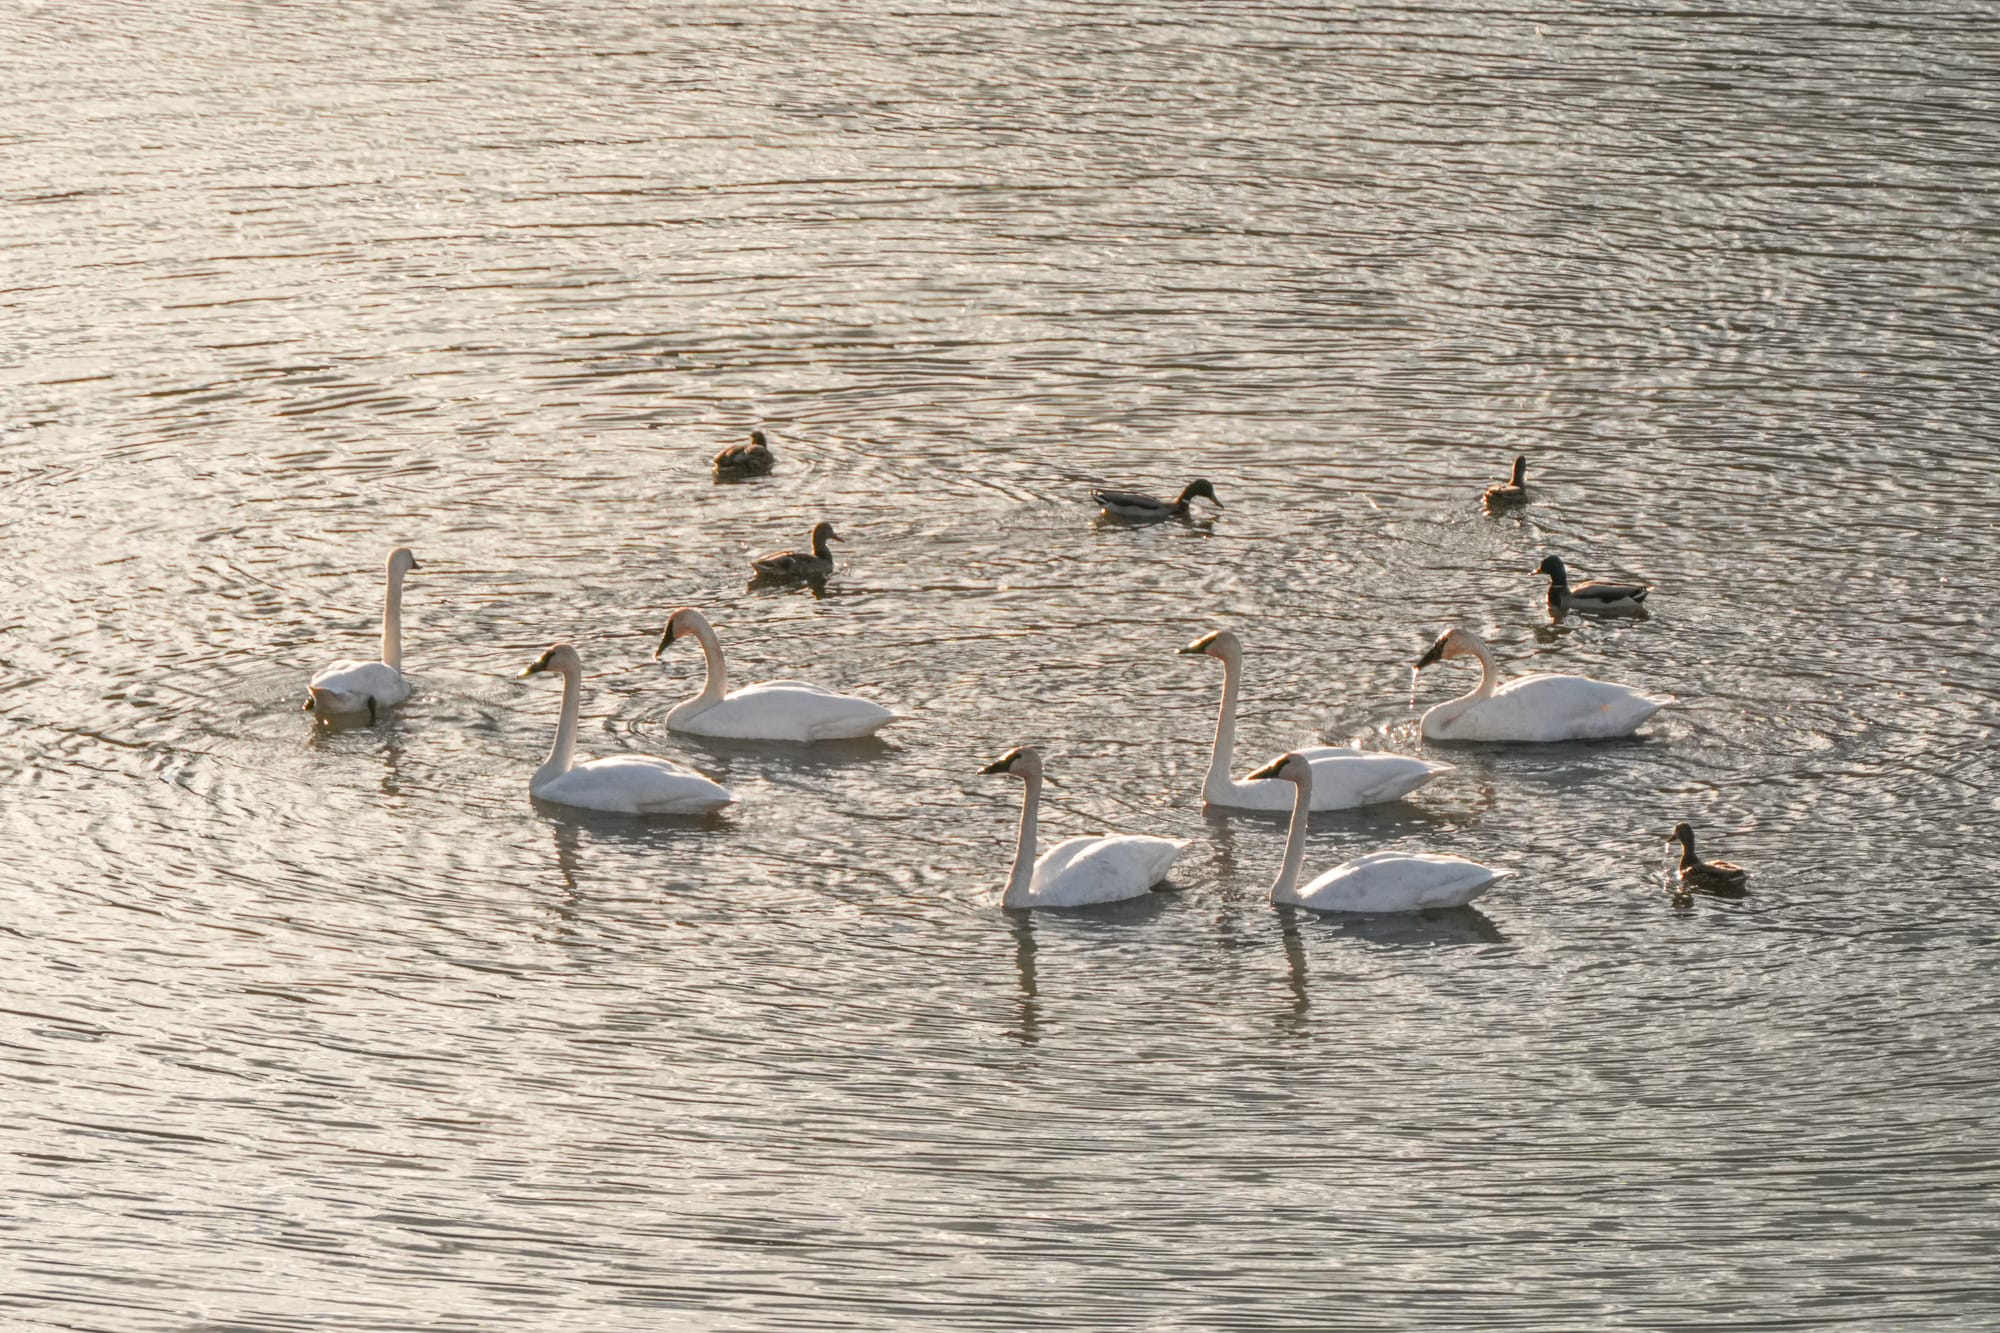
[
  {"x": 1510, "y": 493},
  {"x": 1594, "y": 595},
  {"x": 745, "y": 460},
  {"x": 814, "y": 564},
  {"x": 1712, "y": 876},
  {"x": 1136, "y": 507}
]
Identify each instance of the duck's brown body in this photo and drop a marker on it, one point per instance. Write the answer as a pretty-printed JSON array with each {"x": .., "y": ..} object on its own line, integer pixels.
[{"x": 754, "y": 459}]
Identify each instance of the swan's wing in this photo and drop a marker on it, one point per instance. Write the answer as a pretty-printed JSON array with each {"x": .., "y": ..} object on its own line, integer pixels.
[
  {"x": 636, "y": 784},
  {"x": 1342, "y": 779},
  {"x": 793, "y": 710},
  {"x": 1398, "y": 882},
  {"x": 1080, "y": 871},
  {"x": 1554, "y": 707},
  {"x": 347, "y": 686}
]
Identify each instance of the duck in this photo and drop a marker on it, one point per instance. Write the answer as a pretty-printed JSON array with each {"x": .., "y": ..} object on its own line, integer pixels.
[
  {"x": 1379, "y": 883},
  {"x": 772, "y": 710},
  {"x": 1512, "y": 492},
  {"x": 1076, "y": 872},
  {"x": 1136, "y": 507},
  {"x": 1343, "y": 777},
  {"x": 1539, "y": 707},
  {"x": 814, "y": 564},
  {"x": 1723, "y": 877},
  {"x": 1593, "y": 595},
  {"x": 626, "y": 784},
  {"x": 348, "y": 686},
  {"x": 738, "y": 461}
]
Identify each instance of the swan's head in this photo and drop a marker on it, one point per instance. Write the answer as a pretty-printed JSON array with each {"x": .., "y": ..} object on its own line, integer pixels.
[
  {"x": 1223, "y": 645},
  {"x": 1520, "y": 470},
  {"x": 560, "y": 657},
  {"x": 1553, "y": 566},
  {"x": 1023, "y": 761},
  {"x": 1448, "y": 645},
  {"x": 679, "y": 626},
  {"x": 1285, "y": 768},
  {"x": 401, "y": 561},
  {"x": 1199, "y": 486},
  {"x": 823, "y": 532}
]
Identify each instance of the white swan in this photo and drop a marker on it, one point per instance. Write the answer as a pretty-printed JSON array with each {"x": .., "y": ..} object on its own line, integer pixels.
[
  {"x": 1343, "y": 777},
  {"x": 1380, "y": 882},
  {"x": 1538, "y": 707},
  {"x": 626, "y": 784},
  {"x": 349, "y": 686},
  {"x": 773, "y": 710},
  {"x": 1077, "y": 871}
]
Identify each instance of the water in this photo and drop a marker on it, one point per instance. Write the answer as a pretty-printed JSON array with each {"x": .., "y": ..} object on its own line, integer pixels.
[{"x": 314, "y": 1029}]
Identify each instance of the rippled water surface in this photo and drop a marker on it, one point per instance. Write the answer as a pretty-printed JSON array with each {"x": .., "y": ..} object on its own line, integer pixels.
[{"x": 332, "y": 1028}]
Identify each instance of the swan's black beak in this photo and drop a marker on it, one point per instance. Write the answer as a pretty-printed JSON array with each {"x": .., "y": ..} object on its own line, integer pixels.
[
  {"x": 1272, "y": 769},
  {"x": 666, "y": 640},
  {"x": 1000, "y": 765},
  {"x": 1434, "y": 654}
]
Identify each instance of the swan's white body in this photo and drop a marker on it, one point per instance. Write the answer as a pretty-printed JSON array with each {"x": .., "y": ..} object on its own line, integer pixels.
[
  {"x": 1076, "y": 872},
  {"x": 352, "y": 686},
  {"x": 1538, "y": 707},
  {"x": 1379, "y": 883},
  {"x": 1343, "y": 777},
  {"x": 773, "y": 710},
  {"x": 635, "y": 784}
]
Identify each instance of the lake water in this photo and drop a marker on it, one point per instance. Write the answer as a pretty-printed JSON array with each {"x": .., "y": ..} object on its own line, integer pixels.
[{"x": 332, "y": 1028}]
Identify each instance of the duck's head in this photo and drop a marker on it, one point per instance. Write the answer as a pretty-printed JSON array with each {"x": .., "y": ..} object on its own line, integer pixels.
[
  {"x": 1683, "y": 834},
  {"x": 1285, "y": 768},
  {"x": 559, "y": 657},
  {"x": 1199, "y": 486},
  {"x": 1222, "y": 645},
  {"x": 1553, "y": 566},
  {"x": 757, "y": 440},
  {"x": 1520, "y": 477},
  {"x": 823, "y": 532},
  {"x": 1023, "y": 761},
  {"x": 401, "y": 561},
  {"x": 679, "y": 626}
]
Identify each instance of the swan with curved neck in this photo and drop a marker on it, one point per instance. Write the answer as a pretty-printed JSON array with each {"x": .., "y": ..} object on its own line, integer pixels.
[
  {"x": 1381, "y": 882},
  {"x": 1342, "y": 777},
  {"x": 773, "y": 710},
  {"x": 1076, "y": 872},
  {"x": 1533, "y": 708},
  {"x": 626, "y": 784},
  {"x": 351, "y": 686}
]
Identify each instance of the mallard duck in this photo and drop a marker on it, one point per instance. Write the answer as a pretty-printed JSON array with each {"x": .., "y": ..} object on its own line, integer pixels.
[
  {"x": 1379, "y": 882},
  {"x": 1076, "y": 872},
  {"x": 1712, "y": 876},
  {"x": 1136, "y": 507},
  {"x": 1512, "y": 492},
  {"x": 1593, "y": 595},
  {"x": 1539, "y": 707},
  {"x": 814, "y": 564},
  {"x": 350, "y": 686},
  {"x": 754, "y": 459}
]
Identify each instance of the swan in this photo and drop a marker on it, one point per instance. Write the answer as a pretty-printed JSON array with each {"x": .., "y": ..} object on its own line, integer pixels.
[
  {"x": 814, "y": 564},
  {"x": 1725, "y": 877},
  {"x": 360, "y": 687},
  {"x": 626, "y": 784},
  {"x": 745, "y": 460},
  {"x": 1377, "y": 883},
  {"x": 773, "y": 710},
  {"x": 1342, "y": 777},
  {"x": 1593, "y": 595},
  {"x": 1077, "y": 871},
  {"x": 1136, "y": 507},
  {"x": 1538, "y": 707},
  {"x": 1511, "y": 492}
]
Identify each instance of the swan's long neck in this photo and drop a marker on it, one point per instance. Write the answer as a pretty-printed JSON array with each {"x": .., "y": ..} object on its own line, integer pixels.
[
  {"x": 1024, "y": 849},
  {"x": 1489, "y": 676},
  {"x": 564, "y": 750},
  {"x": 711, "y": 652},
  {"x": 1216, "y": 784},
  {"x": 1285, "y": 889},
  {"x": 392, "y": 620}
]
